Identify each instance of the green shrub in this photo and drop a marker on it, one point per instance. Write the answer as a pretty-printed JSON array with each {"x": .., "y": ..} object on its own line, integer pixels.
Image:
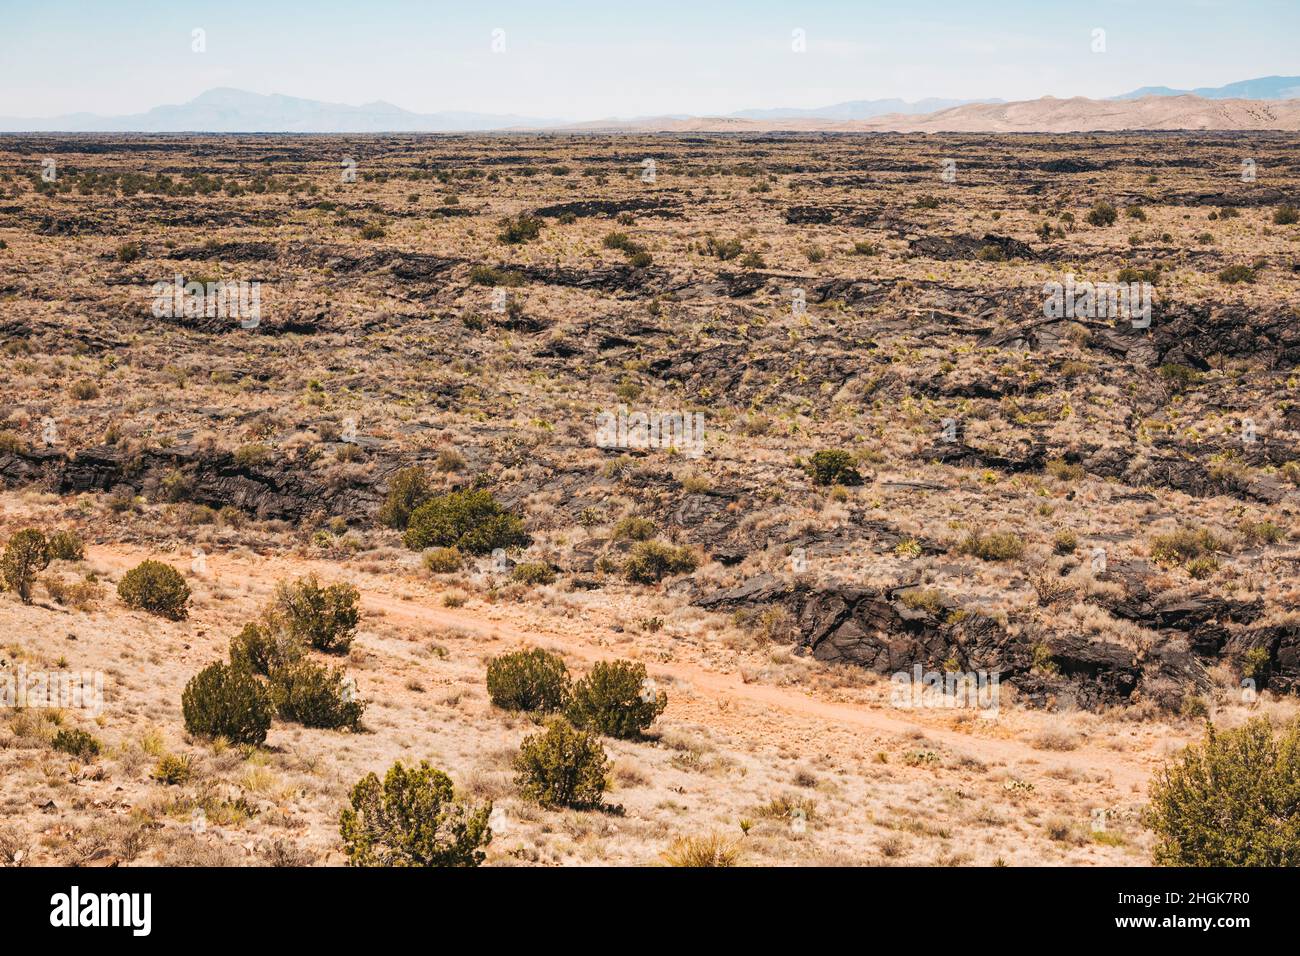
[
  {"x": 1232, "y": 800},
  {"x": 534, "y": 680},
  {"x": 833, "y": 467},
  {"x": 1234, "y": 274},
  {"x": 66, "y": 546},
  {"x": 1286, "y": 216},
  {"x": 615, "y": 700},
  {"x": 634, "y": 529},
  {"x": 652, "y": 561},
  {"x": 533, "y": 572},
  {"x": 1102, "y": 214},
  {"x": 157, "y": 588},
  {"x": 324, "y": 617},
  {"x": 724, "y": 249},
  {"x": 562, "y": 767},
  {"x": 412, "y": 819},
  {"x": 520, "y": 229},
  {"x": 78, "y": 743},
  {"x": 263, "y": 646},
  {"x": 1256, "y": 664},
  {"x": 489, "y": 275},
  {"x": 26, "y": 554},
  {"x": 995, "y": 546},
  {"x": 408, "y": 489},
  {"x": 1183, "y": 545},
  {"x": 315, "y": 696},
  {"x": 251, "y": 456},
  {"x": 226, "y": 701},
  {"x": 472, "y": 521},
  {"x": 173, "y": 770},
  {"x": 443, "y": 560}
]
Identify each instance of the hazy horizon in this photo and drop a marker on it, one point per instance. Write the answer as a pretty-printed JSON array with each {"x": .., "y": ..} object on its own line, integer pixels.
[{"x": 588, "y": 62}]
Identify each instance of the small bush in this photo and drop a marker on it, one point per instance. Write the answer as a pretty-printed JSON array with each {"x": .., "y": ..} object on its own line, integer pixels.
[
  {"x": 533, "y": 572},
  {"x": 1102, "y": 214},
  {"x": 995, "y": 546},
  {"x": 316, "y": 696},
  {"x": 443, "y": 560},
  {"x": 1184, "y": 545},
  {"x": 520, "y": 229},
  {"x": 615, "y": 700},
  {"x": 1230, "y": 800},
  {"x": 408, "y": 489},
  {"x": 652, "y": 561},
  {"x": 157, "y": 588},
  {"x": 173, "y": 770},
  {"x": 833, "y": 467},
  {"x": 26, "y": 554},
  {"x": 412, "y": 819},
  {"x": 66, "y": 546},
  {"x": 227, "y": 701},
  {"x": 84, "y": 390},
  {"x": 533, "y": 680},
  {"x": 706, "y": 851},
  {"x": 1286, "y": 216},
  {"x": 324, "y": 617},
  {"x": 472, "y": 521},
  {"x": 78, "y": 743},
  {"x": 634, "y": 529},
  {"x": 253, "y": 456},
  {"x": 1234, "y": 274},
  {"x": 562, "y": 767}
]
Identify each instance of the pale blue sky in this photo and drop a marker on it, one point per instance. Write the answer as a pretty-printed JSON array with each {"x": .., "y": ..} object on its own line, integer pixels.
[{"x": 585, "y": 59}]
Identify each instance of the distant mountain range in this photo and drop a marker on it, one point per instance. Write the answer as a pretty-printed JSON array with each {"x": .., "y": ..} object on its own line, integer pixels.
[
  {"x": 1264, "y": 88},
  {"x": 228, "y": 110}
]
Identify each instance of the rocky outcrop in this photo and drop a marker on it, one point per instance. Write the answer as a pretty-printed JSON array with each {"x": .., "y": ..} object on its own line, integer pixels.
[
  {"x": 881, "y": 631},
  {"x": 278, "y": 490}
]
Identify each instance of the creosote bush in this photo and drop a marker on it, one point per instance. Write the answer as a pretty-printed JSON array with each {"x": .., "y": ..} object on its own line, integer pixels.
[
  {"x": 27, "y": 553},
  {"x": 226, "y": 701},
  {"x": 1231, "y": 800},
  {"x": 616, "y": 700},
  {"x": 1102, "y": 214},
  {"x": 77, "y": 743},
  {"x": 994, "y": 546},
  {"x": 471, "y": 521},
  {"x": 533, "y": 572},
  {"x": 652, "y": 561},
  {"x": 412, "y": 819},
  {"x": 562, "y": 767},
  {"x": 442, "y": 560},
  {"x": 324, "y": 617},
  {"x": 833, "y": 467},
  {"x": 157, "y": 588},
  {"x": 534, "y": 680}
]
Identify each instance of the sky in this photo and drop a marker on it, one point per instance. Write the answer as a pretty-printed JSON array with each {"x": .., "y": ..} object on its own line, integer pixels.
[{"x": 588, "y": 59}]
